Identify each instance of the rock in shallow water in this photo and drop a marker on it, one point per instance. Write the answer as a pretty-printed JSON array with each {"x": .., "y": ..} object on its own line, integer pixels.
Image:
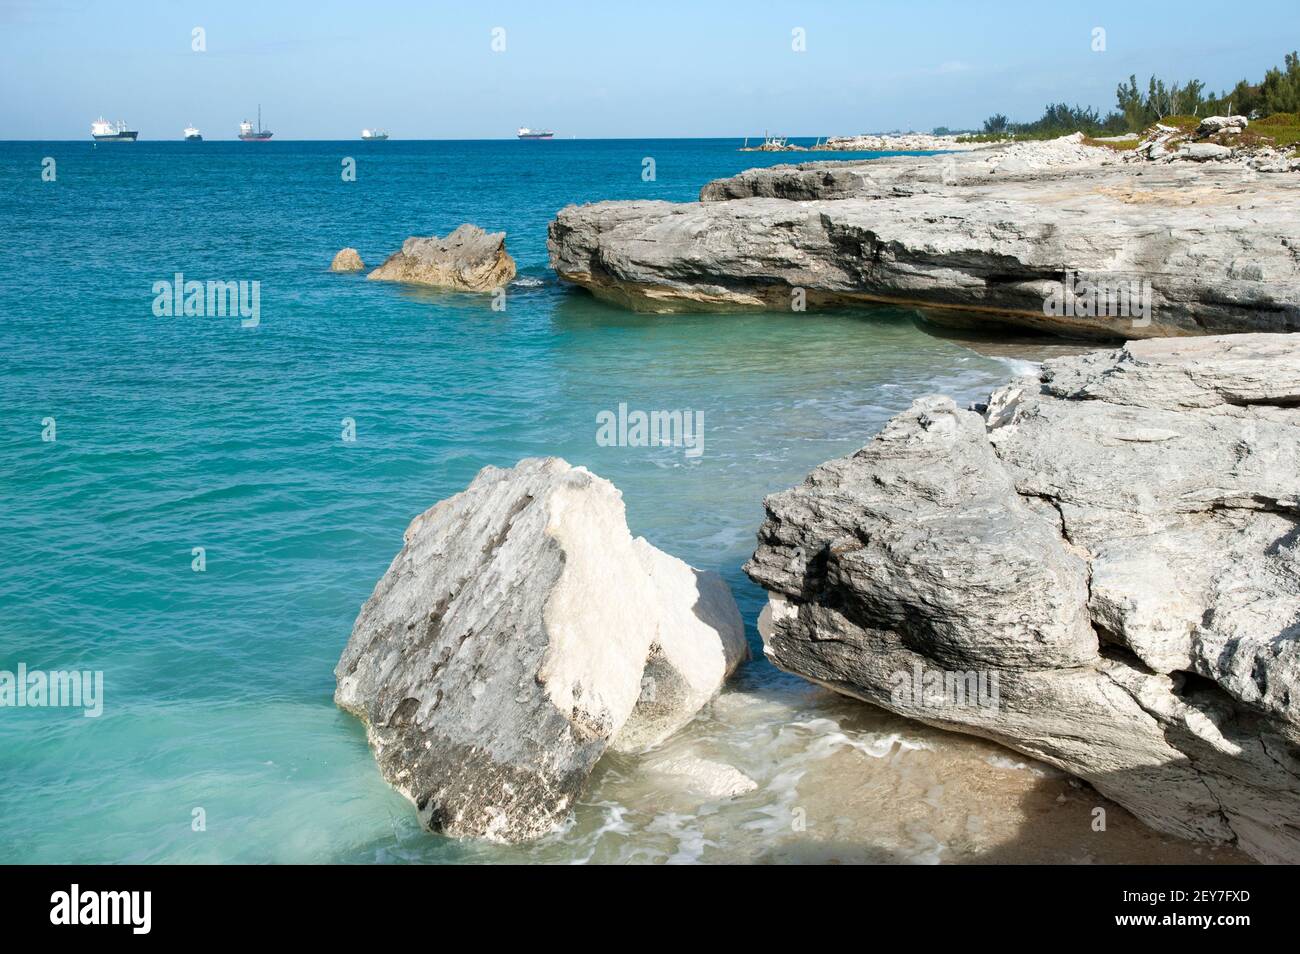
[
  {"x": 709, "y": 778},
  {"x": 468, "y": 259},
  {"x": 1105, "y": 565},
  {"x": 347, "y": 260},
  {"x": 521, "y": 632}
]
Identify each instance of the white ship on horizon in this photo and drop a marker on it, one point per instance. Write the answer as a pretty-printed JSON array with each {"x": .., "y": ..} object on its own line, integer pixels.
[
  {"x": 526, "y": 133},
  {"x": 101, "y": 130},
  {"x": 192, "y": 134},
  {"x": 374, "y": 134}
]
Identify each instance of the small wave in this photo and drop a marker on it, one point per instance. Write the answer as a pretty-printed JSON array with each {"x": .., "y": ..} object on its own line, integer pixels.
[
  {"x": 527, "y": 281},
  {"x": 1019, "y": 366},
  {"x": 875, "y": 745},
  {"x": 614, "y": 823}
]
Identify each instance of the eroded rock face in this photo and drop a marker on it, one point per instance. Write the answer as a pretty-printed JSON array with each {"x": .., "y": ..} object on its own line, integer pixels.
[
  {"x": 347, "y": 260},
  {"x": 1113, "y": 549},
  {"x": 468, "y": 259},
  {"x": 984, "y": 237},
  {"x": 698, "y": 643},
  {"x": 520, "y": 632}
]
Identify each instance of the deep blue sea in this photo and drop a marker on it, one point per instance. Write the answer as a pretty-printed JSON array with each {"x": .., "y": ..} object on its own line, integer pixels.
[{"x": 175, "y": 433}]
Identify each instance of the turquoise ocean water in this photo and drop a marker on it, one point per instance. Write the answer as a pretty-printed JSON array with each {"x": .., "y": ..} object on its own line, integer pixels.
[{"x": 181, "y": 432}]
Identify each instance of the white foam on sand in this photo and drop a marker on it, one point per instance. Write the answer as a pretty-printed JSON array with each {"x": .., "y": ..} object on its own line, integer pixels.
[{"x": 789, "y": 772}]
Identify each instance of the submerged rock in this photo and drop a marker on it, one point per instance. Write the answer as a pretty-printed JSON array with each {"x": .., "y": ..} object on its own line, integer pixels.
[
  {"x": 521, "y": 632},
  {"x": 993, "y": 236},
  {"x": 1100, "y": 570},
  {"x": 468, "y": 259},
  {"x": 347, "y": 260},
  {"x": 707, "y": 777}
]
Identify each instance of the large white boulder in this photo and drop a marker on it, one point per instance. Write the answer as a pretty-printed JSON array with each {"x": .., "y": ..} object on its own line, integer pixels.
[{"x": 520, "y": 632}]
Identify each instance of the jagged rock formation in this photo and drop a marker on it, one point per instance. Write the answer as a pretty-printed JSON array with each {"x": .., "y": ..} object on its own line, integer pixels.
[
  {"x": 521, "y": 632},
  {"x": 986, "y": 237},
  {"x": 1100, "y": 569},
  {"x": 468, "y": 259}
]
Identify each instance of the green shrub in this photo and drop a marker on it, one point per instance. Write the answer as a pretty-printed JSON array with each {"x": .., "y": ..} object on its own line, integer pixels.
[
  {"x": 1278, "y": 119},
  {"x": 1284, "y": 135},
  {"x": 1187, "y": 103},
  {"x": 1281, "y": 129}
]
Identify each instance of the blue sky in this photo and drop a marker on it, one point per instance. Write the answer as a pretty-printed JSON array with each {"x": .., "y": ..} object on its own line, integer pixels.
[{"x": 427, "y": 70}]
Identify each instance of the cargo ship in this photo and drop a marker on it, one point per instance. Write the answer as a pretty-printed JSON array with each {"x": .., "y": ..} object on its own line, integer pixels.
[
  {"x": 526, "y": 133},
  {"x": 248, "y": 134},
  {"x": 374, "y": 134},
  {"x": 101, "y": 130}
]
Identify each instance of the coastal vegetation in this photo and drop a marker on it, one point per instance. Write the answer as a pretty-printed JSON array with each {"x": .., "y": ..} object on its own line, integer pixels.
[{"x": 1273, "y": 102}]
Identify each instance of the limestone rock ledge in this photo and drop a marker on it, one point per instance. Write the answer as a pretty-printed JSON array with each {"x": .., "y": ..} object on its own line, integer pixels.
[
  {"x": 468, "y": 259},
  {"x": 1113, "y": 548},
  {"x": 520, "y": 633},
  {"x": 984, "y": 237}
]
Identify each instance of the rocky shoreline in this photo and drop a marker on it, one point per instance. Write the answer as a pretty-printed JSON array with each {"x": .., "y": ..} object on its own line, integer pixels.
[
  {"x": 884, "y": 142},
  {"x": 1099, "y": 568},
  {"x": 895, "y": 142},
  {"x": 1059, "y": 236}
]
